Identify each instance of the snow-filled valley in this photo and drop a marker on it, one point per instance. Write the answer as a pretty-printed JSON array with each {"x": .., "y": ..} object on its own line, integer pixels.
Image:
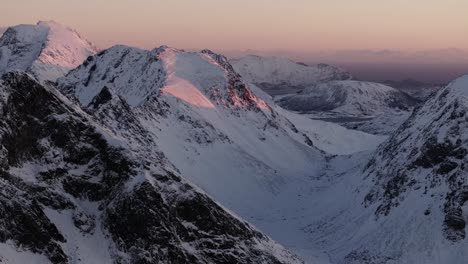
[{"x": 171, "y": 156}]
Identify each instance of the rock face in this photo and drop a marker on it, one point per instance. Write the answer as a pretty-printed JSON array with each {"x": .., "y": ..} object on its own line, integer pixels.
[
  {"x": 281, "y": 76},
  {"x": 47, "y": 50},
  {"x": 353, "y": 98},
  {"x": 74, "y": 191}
]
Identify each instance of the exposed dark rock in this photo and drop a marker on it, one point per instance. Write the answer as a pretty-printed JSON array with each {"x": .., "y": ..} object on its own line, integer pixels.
[
  {"x": 193, "y": 220},
  {"x": 103, "y": 97}
]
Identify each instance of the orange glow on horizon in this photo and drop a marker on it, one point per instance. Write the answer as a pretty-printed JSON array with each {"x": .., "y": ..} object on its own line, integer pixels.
[{"x": 299, "y": 25}]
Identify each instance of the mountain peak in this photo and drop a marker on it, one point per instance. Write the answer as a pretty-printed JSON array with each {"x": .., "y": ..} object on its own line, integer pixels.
[
  {"x": 47, "y": 50},
  {"x": 202, "y": 79}
]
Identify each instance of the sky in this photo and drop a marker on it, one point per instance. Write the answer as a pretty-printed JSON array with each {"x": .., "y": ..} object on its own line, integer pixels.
[{"x": 294, "y": 25}]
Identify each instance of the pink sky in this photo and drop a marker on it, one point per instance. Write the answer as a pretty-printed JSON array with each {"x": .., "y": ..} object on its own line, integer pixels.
[{"x": 297, "y": 25}]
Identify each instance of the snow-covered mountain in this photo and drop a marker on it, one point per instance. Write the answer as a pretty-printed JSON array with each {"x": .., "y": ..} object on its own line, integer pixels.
[
  {"x": 135, "y": 156},
  {"x": 47, "y": 50},
  {"x": 408, "y": 203},
  {"x": 77, "y": 191},
  {"x": 203, "y": 117},
  {"x": 281, "y": 76},
  {"x": 420, "y": 173},
  {"x": 227, "y": 137},
  {"x": 350, "y": 98}
]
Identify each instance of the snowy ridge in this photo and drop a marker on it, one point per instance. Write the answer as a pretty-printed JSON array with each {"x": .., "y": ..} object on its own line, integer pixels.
[
  {"x": 48, "y": 50},
  {"x": 272, "y": 72},
  {"x": 350, "y": 98}
]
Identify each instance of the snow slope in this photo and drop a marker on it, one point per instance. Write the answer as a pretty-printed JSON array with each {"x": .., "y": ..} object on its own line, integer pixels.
[
  {"x": 352, "y": 98},
  {"x": 333, "y": 138},
  {"x": 47, "y": 50},
  {"x": 272, "y": 73},
  {"x": 329, "y": 137}
]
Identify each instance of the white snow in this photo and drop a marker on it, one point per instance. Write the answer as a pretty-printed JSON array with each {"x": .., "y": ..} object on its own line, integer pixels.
[
  {"x": 187, "y": 74},
  {"x": 329, "y": 137},
  {"x": 280, "y": 71},
  {"x": 79, "y": 247},
  {"x": 28, "y": 171},
  {"x": 10, "y": 254},
  {"x": 135, "y": 75},
  {"x": 350, "y": 98},
  {"x": 48, "y": 50},
  {"x": 333, "y": 138}
]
